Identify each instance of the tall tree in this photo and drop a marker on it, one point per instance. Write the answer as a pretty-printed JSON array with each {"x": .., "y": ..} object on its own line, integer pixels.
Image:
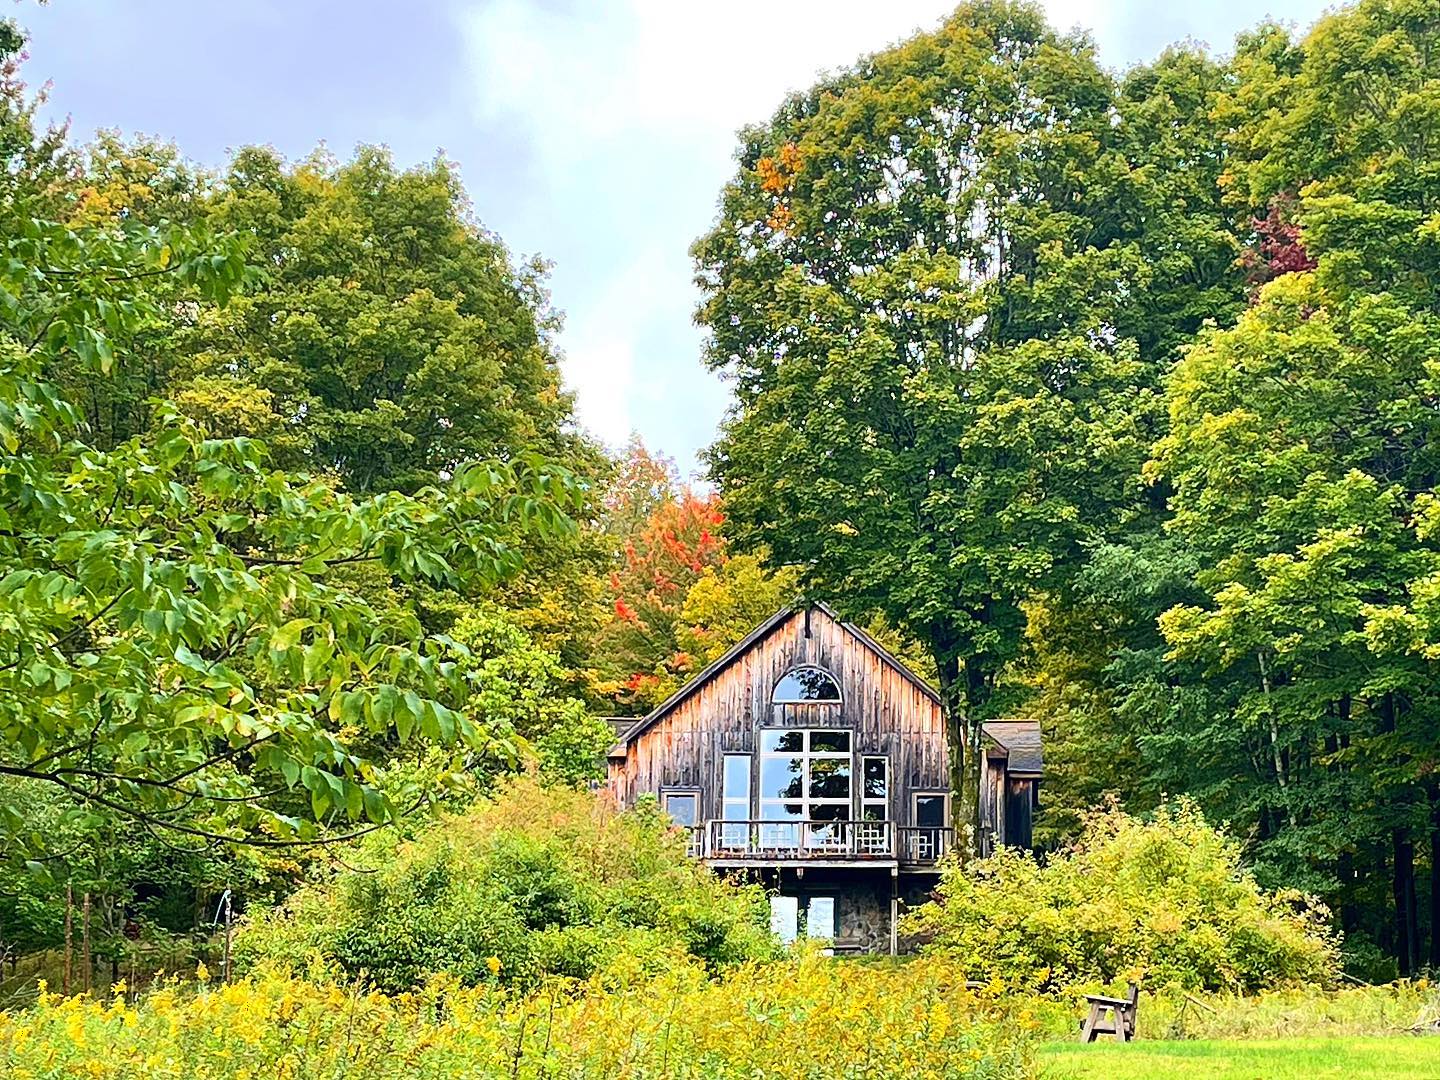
[
  {"x": 1302, "y": 453},
  {"x": 928, "y": 285},
  {"x": 179, "y": 643},
  {"x": 388, "y": 338}
]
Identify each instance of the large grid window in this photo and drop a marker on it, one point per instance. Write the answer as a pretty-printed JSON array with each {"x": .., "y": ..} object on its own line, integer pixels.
[{"x": 805, "y": 775}]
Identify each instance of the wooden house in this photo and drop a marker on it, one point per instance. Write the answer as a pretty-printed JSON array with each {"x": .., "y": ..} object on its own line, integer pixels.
[{"x": 812, "y": 759}]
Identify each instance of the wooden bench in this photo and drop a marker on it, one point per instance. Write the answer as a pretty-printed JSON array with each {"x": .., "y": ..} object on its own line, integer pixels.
[{"x": 1121, "y": 1022}]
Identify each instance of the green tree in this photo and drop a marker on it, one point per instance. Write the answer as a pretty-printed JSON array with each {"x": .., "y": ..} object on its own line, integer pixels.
[
  {"x": 178, "y": 642},
  {"x": 511, "y": 681},
  {"x": 388, "y": 339},
  {"x": 926, "y": 282},
  {"x": 1302, "y": 457}
]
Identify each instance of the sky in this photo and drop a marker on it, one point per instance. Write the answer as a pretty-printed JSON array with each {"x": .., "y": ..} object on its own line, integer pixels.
[{"x": 596, "y": 133}]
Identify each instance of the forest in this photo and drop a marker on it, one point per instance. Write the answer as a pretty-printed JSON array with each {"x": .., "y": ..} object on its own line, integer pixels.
[{"x": 1107, "y": 399}]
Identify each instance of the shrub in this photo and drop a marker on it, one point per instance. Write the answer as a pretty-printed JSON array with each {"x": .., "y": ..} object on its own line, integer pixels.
[
  {"x": 534, "y": 881},
  {"x": 1166, "y": 901},
  {"x": 803, "y": 1018}
]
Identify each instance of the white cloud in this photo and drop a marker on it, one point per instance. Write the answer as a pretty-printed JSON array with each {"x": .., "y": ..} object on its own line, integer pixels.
[{"x": 627, "y": 112}]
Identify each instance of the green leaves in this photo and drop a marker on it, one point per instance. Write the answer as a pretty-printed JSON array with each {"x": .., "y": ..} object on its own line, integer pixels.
[
  {"x": 180, "y": 638},
  {"x": 926, "y": 282}
]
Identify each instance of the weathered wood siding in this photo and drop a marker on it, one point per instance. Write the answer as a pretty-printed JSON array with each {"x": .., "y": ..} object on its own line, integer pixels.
[{"x": 889, "y": 714}]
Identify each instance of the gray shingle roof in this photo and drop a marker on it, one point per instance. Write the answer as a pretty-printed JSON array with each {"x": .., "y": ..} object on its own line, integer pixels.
[{"x": 1021, "y": 741}]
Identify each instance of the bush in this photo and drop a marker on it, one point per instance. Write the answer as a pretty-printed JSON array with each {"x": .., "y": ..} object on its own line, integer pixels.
[
  {"x": 799, "y": 1019},
  {"x": 1165, "y": 901},
  {"x": 535, "y": 881}
]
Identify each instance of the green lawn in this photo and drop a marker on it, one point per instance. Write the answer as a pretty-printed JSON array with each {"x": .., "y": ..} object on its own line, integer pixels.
[{"x": 1397, "y": 1057}]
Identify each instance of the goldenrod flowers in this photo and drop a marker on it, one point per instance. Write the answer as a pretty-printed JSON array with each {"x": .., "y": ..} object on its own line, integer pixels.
[{"x": 808, "y": 1017}]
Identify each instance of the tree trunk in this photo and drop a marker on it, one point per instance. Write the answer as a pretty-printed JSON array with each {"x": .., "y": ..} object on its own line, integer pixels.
[
  {"x": 1407, "y": 931},
  {"x": 1434, "y": 877},
  {"x": 962, "y": 734},
  {"x": 1402, "y": 862},
  {"x": 956, "y": 716},
  {"x": 1277, "y": 757}
]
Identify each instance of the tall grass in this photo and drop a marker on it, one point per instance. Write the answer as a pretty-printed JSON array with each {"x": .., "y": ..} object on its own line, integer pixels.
[{"x": 806, "y": 1017}]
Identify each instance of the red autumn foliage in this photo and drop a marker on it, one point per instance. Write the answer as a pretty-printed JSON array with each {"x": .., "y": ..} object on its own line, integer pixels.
[
  {"x": 667, "y": 537},
  {"x": 1279, "y": 248}
]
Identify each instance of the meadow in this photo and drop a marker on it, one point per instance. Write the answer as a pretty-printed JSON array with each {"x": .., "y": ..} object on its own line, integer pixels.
[
  {"x": 1273, "y": 1059},
  {"x": 805, "y": 1017}
]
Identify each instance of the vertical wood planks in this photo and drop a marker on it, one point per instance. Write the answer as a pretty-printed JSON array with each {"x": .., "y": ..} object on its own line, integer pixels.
[{"x": 889, "y": 714}]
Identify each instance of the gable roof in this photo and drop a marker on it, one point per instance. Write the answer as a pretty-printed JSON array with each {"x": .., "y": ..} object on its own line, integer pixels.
[
  {"x": 749, "y": 641},
  {"x": 1020, "y": 739}
]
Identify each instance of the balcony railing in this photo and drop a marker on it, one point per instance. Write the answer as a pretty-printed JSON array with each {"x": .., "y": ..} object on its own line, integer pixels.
[
  {"x": 784, "y": 841},
  {"x": 922, "y": 844}
]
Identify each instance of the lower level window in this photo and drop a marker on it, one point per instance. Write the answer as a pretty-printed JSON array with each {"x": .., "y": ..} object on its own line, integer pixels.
[
  {"x": 816, "y": 914},
  {"x": 785, "y": 918},
  {"x": 820, "y": 917}
]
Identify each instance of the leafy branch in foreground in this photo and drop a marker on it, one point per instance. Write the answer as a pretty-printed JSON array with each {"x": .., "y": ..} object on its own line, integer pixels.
[{"x": 182, "y": 637}]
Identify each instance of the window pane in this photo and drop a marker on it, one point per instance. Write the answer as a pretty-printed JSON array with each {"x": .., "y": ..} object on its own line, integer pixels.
[
  {"x": 872, "y": 812},
  {"x": 876, "y": 778},
  {"x": 782, "y": 811},
  {"x": 737, "y": 776},
  {"x": 930, "y": 810},
  {"x": 829, "y": 778},
  {"x": 777, "y": 739},
  {"x": 784, "y": 917},
  {"x": 830, "y": 742},
  {"x": 782, "y": 778},
  {"x": 805, "y": 684},
  {"x": 820, "y": 917},
  {"x": 830, "y": 812},
  {"x": 682, "y": 808},
  {"x": 735, "y": 811}
]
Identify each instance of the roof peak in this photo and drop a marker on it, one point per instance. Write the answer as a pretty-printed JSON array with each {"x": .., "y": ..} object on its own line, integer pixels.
[{"x": 753, "y": 638}]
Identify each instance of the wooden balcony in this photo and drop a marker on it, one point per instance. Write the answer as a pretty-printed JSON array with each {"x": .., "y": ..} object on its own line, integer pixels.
[{"x": 759, "y": 843}]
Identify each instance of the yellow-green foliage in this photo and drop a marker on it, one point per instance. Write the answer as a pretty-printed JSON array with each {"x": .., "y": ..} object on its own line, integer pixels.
[
  {"x": 808, "y": 1017},
  {"x": 536, "y": 881},
  {"x": 1165, "y": 901}
]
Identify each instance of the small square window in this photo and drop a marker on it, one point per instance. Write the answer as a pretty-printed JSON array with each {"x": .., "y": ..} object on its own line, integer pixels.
[
  {"x": 683, "y": 807},
  {"x": 930, "y": 811}
]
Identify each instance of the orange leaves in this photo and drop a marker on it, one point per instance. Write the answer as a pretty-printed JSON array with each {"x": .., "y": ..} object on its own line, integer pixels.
[
  {"x": 777, "y": 178},
  {"x": 780, "y": 219},
  {"x": 668, "y": 538},
  {"x": 772, "y": 180},
  {"x": 778, "y": 173}
]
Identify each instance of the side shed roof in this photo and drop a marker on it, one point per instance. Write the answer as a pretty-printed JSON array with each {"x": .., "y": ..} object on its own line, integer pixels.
[{"x": 1020, "y": 739}]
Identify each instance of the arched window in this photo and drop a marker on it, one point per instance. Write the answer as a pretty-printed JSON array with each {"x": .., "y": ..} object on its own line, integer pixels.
[{"x": 806, "y": 686}]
